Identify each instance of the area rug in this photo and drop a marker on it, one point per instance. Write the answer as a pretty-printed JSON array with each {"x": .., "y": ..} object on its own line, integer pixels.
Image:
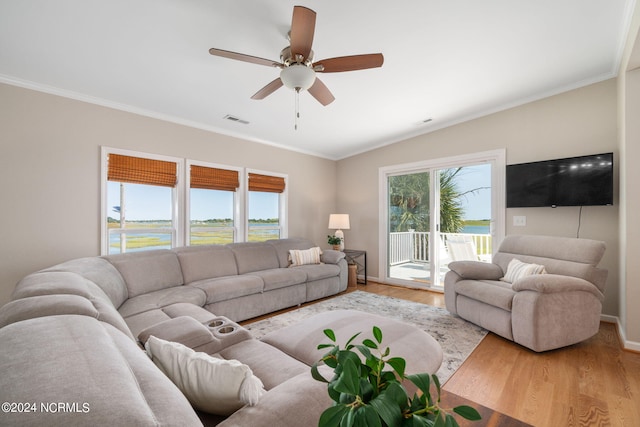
[{"x": 457, "y": 337}]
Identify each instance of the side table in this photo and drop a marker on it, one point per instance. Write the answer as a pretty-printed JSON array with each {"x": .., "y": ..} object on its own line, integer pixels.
[{"x": 359, "y": 258}]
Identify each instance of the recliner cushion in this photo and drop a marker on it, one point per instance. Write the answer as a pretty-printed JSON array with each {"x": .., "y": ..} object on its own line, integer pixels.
[
  {"x": 226, "y": 288},
  {"x": 163, "y": 298},
  {"x": 148, "y": 271},
  {"x": 492, "y": 292},
  {"x": 206, "y": 262}
]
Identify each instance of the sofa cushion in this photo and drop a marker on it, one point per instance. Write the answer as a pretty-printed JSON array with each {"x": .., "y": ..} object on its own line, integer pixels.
[
  {"x": 283, "y": 246},
  {"x": 254, "y": 256},
  {"x": 211, "y": 384},
  {"x": 304, "y": 256},
  {"x": 206, "y": 262},
  {"x": 163, "y": 298},
  {"x": 319, "y": 271},
  {"x": 492, "y": 292},
  {"x": 281, "y": 277},
  {"x": 226, "y": 288},
  {"x": 271, "y": 365},
  {"x": 517, "y": 270},
  {"x": 148, "y": 271},
  {"x": 99, "y": 271},
  {"x": 88, "y": 364},
  {"x": 45, "y": 305}
]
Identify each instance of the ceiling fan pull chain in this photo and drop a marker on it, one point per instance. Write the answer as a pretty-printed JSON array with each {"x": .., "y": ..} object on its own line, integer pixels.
[{"x": 297, "y": 112}]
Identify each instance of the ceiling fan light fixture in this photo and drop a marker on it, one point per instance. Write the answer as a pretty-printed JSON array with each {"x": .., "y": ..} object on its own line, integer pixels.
[{"x": 298, "y": 77}]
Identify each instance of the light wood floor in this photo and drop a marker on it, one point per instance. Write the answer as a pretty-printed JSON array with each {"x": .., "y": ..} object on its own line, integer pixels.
[{"x": 594, "y": 383}]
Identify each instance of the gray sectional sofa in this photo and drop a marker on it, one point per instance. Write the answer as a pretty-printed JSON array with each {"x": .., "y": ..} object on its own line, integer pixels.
[
  {"x": 560, "y": 307},
  {"x": 69, "y": 349}
]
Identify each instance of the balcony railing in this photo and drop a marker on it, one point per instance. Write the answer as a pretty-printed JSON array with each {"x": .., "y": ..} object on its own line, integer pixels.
[{"x": 413, "y": 246}]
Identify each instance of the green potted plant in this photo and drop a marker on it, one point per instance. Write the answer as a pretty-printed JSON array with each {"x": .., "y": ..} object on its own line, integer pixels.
[
  {"x": 365, "y": 394},
  {"x": 334, "y": 241}
]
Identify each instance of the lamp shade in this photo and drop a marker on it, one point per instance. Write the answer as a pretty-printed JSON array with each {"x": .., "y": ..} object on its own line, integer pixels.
[
  {"x": 298, "y": 77},
  {"x": 339, "y": 221}
]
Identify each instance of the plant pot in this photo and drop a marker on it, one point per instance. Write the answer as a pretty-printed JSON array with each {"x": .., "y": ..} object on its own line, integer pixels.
[{"x": 336, "y": 247}]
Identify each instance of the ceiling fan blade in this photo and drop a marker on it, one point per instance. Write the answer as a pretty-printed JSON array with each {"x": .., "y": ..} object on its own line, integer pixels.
[
  {"x": 320, "y": 92},
  {"x": 349, "y": 63},
  {"x": 303, "y": 25},
  {"x": 243, "y": 57},
  {"x": 268, "y": 89}
]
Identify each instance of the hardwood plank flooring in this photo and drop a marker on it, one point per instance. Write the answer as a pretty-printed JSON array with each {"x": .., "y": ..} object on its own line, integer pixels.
[{"x": 594, "y": 383}]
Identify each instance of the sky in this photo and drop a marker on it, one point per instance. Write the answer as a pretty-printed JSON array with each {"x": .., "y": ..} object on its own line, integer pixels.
[
  {"x": 477, "y": 205},
  {"x": 148, "y": 202}
]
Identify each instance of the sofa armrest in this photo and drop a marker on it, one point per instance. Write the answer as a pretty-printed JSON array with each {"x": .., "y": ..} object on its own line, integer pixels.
[
  {"x": 554, "y": 283},
  {"x": 188, "y": 331},
  {"x": 476, "y": 270},
  {"x": 329, "y": 256}
]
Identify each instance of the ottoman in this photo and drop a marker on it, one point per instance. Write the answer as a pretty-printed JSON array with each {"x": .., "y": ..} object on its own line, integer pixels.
[{"x": 300, "y": 341}]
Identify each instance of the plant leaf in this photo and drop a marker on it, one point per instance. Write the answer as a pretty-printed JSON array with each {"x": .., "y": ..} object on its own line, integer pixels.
[
  {"x": 367, "y": 417},
  {"x": 347, "y": 345},
  {"x": 387, "y": 409},
  {"x": 321, "y": 346},
  {"x": 349, "y": 380},
  {"x": 316, "y": 375},
  {"x": 330, "y": 334},
  {"x": 398, "y": 364},
  {"x": 422, "y": 381},
  {"x": 467, "y": 412},
  {"x": 332, "y": 416},
  {"x": 377, "y": 333},
  {"x": 370, "y": 344},
  {"x": 398, "y": 394},
  {"x": 364, "y": 350},
  {"x": 449, "y": 421}
]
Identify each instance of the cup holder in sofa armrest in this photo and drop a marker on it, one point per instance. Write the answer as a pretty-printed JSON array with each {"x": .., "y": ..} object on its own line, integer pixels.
[{"x": 227, "y": 331}]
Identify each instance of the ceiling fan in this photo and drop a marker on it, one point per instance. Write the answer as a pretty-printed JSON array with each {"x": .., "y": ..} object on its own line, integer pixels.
[{"x": 298, "y": 71}]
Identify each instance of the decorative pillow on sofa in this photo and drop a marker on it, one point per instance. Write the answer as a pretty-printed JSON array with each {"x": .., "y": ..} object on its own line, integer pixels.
[
  {"x": 518, "y": 269},
  {"x": 306, "y": 256},
  {"x": 213, "y": 385}
]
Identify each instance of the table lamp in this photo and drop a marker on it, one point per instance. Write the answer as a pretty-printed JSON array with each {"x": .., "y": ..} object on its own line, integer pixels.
[{"x": 338, "y": 222}]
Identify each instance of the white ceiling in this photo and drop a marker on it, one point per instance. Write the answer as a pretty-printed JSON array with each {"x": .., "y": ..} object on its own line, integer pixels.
[{"x": 448, "y": 61}]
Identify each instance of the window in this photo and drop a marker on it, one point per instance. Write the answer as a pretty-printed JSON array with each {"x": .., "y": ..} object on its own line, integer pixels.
[
  {"x": 145, "y": 198},
  {"x": 213, "y": 204},
  {"x": 140, "y": 197},
  {"x": 266, "y": 207}
]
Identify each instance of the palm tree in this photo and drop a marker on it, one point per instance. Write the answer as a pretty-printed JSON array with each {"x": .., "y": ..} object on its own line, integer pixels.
[{"x": 409, "y": 202}]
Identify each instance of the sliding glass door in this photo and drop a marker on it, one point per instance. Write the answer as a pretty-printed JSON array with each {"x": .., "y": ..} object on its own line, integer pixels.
[{"x": 436, "y": 213}]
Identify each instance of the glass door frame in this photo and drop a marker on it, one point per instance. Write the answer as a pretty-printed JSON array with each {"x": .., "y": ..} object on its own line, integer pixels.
[{"x": 497, "y": 229}]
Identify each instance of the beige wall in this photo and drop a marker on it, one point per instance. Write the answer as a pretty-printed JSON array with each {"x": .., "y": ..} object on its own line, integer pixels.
[
  {"x": 49, "y": 168},
  {"x": 579, "y": 122}
]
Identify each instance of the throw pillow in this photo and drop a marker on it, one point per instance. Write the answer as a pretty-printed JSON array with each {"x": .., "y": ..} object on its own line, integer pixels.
[
  {"x": 518, "y": 269},
  {"x": 306, "y": 256},
  {"x": 213, "y": 385}
]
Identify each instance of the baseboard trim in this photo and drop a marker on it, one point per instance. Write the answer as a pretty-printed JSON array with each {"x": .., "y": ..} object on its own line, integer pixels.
[{"x": 624, "y": 342}]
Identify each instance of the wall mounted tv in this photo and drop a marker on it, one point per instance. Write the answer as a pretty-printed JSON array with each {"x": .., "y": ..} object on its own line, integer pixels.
[{"x": 574, "y": 181}]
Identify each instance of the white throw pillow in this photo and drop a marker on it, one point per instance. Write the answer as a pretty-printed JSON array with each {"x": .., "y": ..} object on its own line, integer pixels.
[
  {"x": 213, "y": 385},
  {"x": 518, "y": 269},
  {"x": 306, "y": 256}
]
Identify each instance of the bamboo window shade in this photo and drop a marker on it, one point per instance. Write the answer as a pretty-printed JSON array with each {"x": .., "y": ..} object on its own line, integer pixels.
[
  {"x": 266, "y": 183},
  {"x": 137, "y": 170},
  {"x": 214, "y": 178}
]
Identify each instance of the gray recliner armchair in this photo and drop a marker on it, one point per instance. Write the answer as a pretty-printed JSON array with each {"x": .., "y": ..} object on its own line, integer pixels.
[{"x": 545, "y": 311}]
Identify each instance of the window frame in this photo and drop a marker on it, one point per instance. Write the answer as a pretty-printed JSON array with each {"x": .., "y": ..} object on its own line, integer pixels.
[
  {"x": 238, "y": 200},
  {"x": 177, "y": 197},
  {"x": 181, "y": 202},
  {"x": 283, "y": 202}
]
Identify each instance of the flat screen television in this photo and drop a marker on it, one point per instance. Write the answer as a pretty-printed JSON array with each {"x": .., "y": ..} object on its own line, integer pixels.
[{"x": 574, "y": 181}]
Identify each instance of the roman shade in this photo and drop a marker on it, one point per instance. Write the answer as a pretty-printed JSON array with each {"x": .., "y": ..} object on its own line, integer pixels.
[
  {"x": 138, "y": 170},
  {"x": 266, "y": 183},
  {"x": 214, "y": 178}
]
